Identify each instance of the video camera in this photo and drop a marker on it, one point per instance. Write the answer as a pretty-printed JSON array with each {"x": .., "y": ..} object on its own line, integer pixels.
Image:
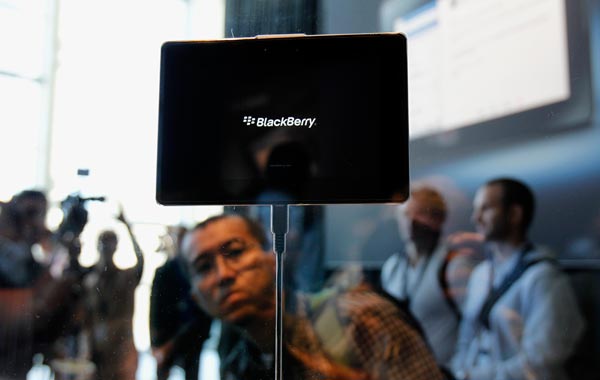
[{"x": 75, "y": 216}]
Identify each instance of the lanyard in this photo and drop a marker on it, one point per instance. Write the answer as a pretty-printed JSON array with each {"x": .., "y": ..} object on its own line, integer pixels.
[{"x": 419, "y": 280}]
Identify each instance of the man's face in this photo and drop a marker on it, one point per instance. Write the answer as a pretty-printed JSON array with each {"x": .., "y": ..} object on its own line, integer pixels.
[
  {"x": 233, "y": 278},
  {"x": 34, "y": 217},
  {"x": 107, "y": 246},
  {"x": 417, "y": 209},
  {"x": 421, "y": 222},
  {"x": 489, "y": 216}
]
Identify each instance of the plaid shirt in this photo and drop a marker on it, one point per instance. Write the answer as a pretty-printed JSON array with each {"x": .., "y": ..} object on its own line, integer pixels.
[{"x": 342, "y": 335}]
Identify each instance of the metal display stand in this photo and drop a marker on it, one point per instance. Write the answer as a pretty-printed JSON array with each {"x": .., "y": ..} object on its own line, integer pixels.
[{"x": 279, "y": 227}]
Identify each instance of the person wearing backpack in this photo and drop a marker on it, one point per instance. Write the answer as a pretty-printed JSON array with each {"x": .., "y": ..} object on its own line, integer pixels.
[
  {"x": 521, "y": 319},
  {"x": 429, "y": 274}
]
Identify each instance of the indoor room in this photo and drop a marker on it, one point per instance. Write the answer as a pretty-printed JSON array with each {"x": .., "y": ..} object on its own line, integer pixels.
[{"x": 486, "y": 259}]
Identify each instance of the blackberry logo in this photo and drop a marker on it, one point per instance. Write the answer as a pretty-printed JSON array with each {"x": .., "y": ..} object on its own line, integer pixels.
[
  {"x": 289, "y": 121},
  {"x": 249, "y": 120}
]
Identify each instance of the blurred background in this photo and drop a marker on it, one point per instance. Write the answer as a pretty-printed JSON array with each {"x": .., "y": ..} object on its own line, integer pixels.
[{"x": 496, "y": 88}]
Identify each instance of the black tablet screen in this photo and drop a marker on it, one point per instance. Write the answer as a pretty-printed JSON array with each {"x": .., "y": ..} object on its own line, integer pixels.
[{"x": 300, "y": 120}]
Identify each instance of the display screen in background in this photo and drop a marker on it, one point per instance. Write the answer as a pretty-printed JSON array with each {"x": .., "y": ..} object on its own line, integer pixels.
[{"x": 471, "y": 61}]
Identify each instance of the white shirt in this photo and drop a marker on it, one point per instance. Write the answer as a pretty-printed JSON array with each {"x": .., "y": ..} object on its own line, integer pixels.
[
  {"x": 534, "y": 326},
  {"x": 420, "y": 284}
]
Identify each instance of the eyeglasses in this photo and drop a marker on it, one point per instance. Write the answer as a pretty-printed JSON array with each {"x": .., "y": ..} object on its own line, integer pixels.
[{"x": 232, "y": 252}]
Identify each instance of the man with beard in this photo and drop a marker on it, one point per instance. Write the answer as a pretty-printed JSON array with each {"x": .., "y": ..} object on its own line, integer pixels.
[
  {"x": 521, "y": 320},
  {"x": 422, "y": 276}
]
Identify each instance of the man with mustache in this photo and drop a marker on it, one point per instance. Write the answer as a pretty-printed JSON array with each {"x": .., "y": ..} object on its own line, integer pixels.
[{"x": 233, "y": 279}]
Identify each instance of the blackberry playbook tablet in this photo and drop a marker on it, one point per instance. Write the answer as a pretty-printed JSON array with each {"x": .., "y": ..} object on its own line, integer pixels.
[{"x": 284, "y": 120}]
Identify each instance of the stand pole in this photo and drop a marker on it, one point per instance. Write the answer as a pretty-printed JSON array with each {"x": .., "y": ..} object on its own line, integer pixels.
[{"x": 279, "y": 227}]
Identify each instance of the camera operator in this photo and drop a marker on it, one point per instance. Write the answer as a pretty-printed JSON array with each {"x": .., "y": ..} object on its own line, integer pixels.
[
  {"x": 110, "y": 294},
  {"x": 35, "y": 305}
]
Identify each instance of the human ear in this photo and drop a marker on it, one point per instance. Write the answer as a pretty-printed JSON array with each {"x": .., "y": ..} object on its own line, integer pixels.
[{"x": 515, "y": 215}]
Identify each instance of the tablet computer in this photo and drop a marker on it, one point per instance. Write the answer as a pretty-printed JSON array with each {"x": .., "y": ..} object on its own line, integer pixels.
[{"x": 283, "y": 120}]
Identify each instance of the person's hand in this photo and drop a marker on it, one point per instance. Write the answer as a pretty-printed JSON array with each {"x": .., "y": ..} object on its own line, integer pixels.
[
  {"x": 121, "y": 217},
  {"x": 163, "y": 354},
  {"x": 463, "y": 239}
]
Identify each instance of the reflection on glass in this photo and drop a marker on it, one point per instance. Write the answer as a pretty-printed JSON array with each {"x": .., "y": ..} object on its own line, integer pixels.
[
  {"x": 346, "y": 330},
  {"x": 104, "y": 115}
]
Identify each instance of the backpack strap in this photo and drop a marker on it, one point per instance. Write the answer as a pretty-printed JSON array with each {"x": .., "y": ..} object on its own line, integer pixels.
[
  {"x": 443, "y": 281},
  {"x": 522, "y": 265}
]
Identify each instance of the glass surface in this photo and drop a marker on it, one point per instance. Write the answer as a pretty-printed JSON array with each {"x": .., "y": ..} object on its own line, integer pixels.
[
  {"x": 20, "y": 117},
  {"x": 527, "y": 111},
  {"x": 22, "y": 37}
]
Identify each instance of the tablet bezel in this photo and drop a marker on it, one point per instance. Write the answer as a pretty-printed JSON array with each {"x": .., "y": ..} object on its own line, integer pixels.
[{"x": 392, "y": 184}]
